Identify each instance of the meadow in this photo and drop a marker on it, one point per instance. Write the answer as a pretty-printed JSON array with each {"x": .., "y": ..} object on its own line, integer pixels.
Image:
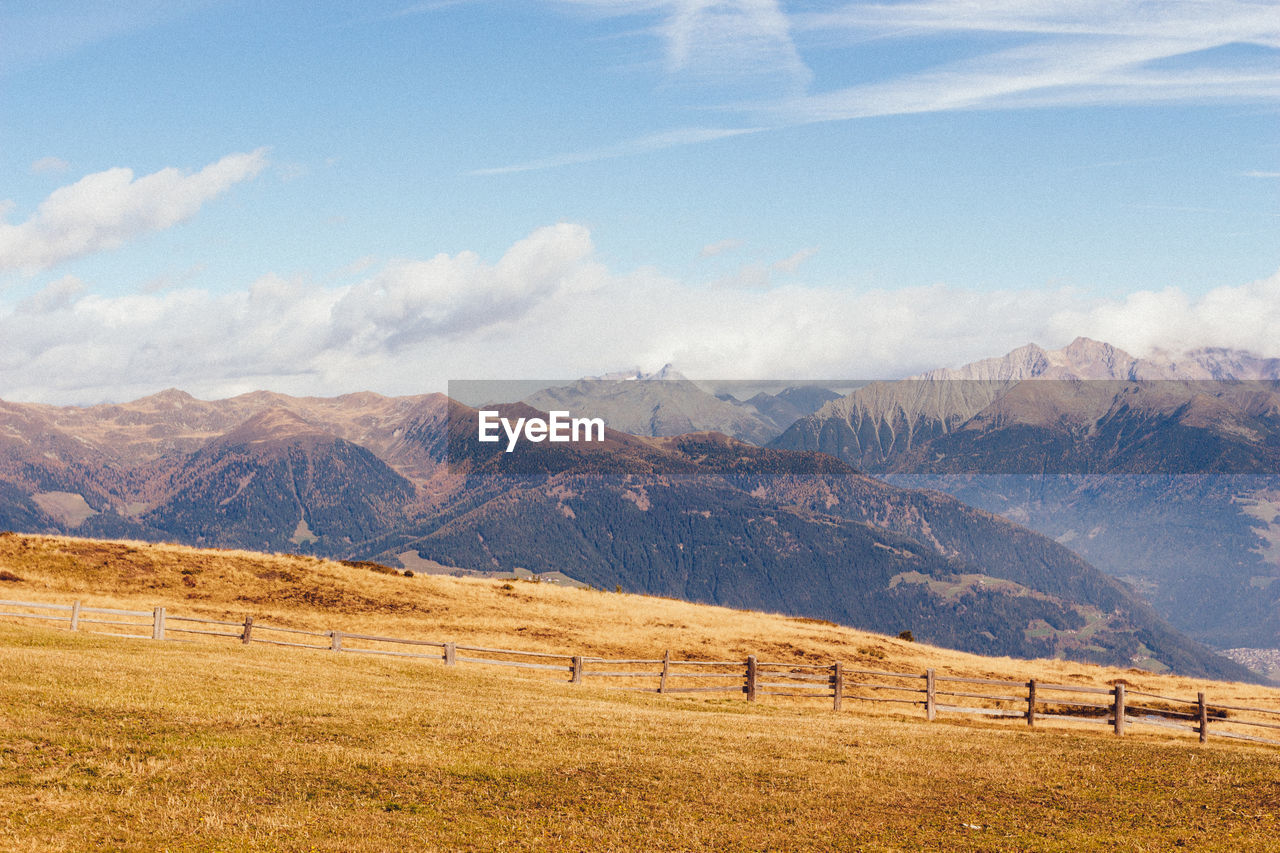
[{"x": 111, "y": 743}]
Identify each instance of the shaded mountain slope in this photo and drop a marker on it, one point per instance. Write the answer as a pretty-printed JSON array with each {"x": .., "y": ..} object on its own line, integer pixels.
[
  {"x": 277, "y": 481},
  {"x": 711, "y": 519},
  {"x": 1162, "y": 473}
]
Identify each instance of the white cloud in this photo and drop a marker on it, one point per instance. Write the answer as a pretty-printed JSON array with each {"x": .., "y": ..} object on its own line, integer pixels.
[
  {"x": 413, "y": 325},
  {"x": 642, "y": 145},
  {"x": 1117, "y": 51},
  {"x": 759, "y": 276},
  {"x": 105, "y": 210},
  {"x": 711, "y": 250},
  {"x": 55, "y": 296},
  {"x": 731, "y": 38},
  {"x": 1237, "y": 317},
  {"x": 446, "y": 297},
  {"x": 792, "y": 263},
  {"x": 426, "y": 8},
  {"x": 717, "y": 39},
  {"x": 1225, "y": 19},
  {"x": 1092, "y": 53},
  {"x": 33, "y": 33},
  {"x": 171, "y": 278},
  {"x": 1082, "y": 72},
  {"x": 49, "y": 165}
]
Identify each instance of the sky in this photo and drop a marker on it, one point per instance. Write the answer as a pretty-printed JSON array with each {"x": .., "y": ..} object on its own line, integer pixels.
[{"x": 324, "y": 197}]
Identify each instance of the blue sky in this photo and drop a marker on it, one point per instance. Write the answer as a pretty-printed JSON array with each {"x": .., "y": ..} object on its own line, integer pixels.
[{"x": 321, "y": 197}]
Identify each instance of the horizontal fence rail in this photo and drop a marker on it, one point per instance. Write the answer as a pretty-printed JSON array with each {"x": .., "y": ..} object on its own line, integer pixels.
[{"x": 1116, "y": 706}]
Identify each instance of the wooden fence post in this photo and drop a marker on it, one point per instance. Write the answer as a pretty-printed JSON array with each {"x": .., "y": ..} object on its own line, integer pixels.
[
  {"x": 837, "y": 685},
  {"x": 666, "y": 670},
  {"x": 248, "y": 630},
  {"x": 1118, "y": 709},
  {"x": 336, "y": 644},
  {"x": 75, "y": 616},
  {"x": 576, "y": 669},
  {"x": 1202, "y": 713},
  {"x": 1031, "y": 702},
  {"x": 930, "y": 696},
  {"x": 750, "y": 687},
  {"x": 450, "y": 654},
  {"x": 157, "y": 624}
]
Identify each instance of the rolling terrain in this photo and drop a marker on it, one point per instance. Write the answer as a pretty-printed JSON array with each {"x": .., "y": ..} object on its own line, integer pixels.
[{"x": 129, "y": 745}]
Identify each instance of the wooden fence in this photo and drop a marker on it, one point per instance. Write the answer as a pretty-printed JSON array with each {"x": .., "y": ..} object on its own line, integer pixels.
[{"x": 1115, "y": 706}]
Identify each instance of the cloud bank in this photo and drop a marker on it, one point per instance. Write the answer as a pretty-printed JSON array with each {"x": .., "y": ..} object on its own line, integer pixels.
[
  {"x": 549, "y": 308},
  {"x": 107, "y": 209}
]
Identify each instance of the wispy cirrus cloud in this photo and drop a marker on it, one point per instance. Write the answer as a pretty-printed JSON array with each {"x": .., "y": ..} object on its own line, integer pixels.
[
  {"x": 1119, "y": 52},
  {"x": 641, "y": 145},
  {"x": 1072, "y": 54},
  {"x": 716, "y": 39},
  {"x": 105, "y": 210},
  {"x": 793, "y": 262},
  {"x": 412, "y": 10},
  {"x": 32, "y": 33},
  {"x": 733, "y": 38},
  {"x": 1143, "y": 18},
  {"x": 733, "y": 43},
  {"x": 426, "y": 8},
  {"x": 719, "y": 247}
]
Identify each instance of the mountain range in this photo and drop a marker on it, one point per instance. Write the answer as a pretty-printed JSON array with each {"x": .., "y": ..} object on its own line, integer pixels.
[
  {"x": 1162, "y": 472},
  {"x": 699, "y": 516},
  {"x": 665, "y": 403}
]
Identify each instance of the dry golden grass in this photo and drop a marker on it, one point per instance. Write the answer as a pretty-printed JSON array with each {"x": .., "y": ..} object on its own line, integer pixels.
[
  {"x": 134, "y": 745},
  {"x": 309, "y": 593},
  {"x": 107, "y": 743}
]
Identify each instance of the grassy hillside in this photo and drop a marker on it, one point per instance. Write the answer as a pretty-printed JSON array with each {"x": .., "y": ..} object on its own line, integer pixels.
[
  {"x": 136, "y": 745},
  {"x": 313, "y": 593}
]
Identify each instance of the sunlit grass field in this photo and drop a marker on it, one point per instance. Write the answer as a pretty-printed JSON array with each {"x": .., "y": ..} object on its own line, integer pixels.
[{"x": 108, "y": 743}]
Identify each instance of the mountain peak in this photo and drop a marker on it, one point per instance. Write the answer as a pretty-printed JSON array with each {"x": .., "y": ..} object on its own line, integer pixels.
[
  {"x": 1026, "y": 362},
  {"x": 174, "y": 398},
  {"x": 1083, "y": 358},
  {"x": 1083, "y": 347},
  {"x": 667, "y": 372},
  {"x": 274, "y": 424}
]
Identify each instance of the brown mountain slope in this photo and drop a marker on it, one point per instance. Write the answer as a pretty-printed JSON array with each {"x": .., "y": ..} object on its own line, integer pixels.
[
  {"x": 711, "y": 523},
  {"x": 1160, "y": 472},
  {"x": 706, "y": 518}
]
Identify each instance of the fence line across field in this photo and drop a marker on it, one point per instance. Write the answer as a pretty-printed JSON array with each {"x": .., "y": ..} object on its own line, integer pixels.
[{"x": 1031, "y": 700}]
